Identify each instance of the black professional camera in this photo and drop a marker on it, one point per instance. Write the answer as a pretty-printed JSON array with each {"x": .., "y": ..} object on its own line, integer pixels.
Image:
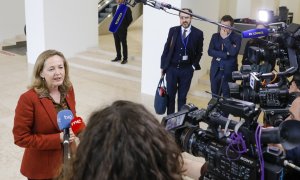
[
  {"x": 232, "y": 150},
  {"x": 281, "y": 46},
  {"x": 259, "y": 85},
  {"x": 273, "y": 98},
  {"x": 274, "y": 117},
  {"x": 268, "y": 90},
  {"x": 268, "y": 53}
]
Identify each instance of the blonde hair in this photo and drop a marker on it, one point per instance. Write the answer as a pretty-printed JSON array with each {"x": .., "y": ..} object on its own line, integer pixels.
[{"x": 38, "y": 84}]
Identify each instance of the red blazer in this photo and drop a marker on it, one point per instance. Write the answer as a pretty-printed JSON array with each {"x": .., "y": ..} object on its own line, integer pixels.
[{"x": 36, "y": 130}]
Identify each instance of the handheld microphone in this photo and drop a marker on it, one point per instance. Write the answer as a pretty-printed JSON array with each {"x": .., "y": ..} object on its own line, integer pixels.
[
  {"x": 64, "y": 118},
  {"x": 77, "y": 125},
  {"x": 255, "y": 33},
  {"x": 118, "y": 18}
]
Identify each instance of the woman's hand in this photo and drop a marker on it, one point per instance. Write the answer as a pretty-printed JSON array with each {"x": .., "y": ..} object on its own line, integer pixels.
[{"x": 71, "y": 138}]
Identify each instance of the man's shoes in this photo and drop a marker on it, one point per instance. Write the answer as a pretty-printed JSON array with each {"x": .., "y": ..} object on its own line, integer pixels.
[
  {"x": 124, "y": 61},
  {"x": 116, "y": 59}
]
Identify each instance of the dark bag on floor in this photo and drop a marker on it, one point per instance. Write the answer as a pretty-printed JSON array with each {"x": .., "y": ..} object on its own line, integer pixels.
[{"x": 161, "y": 97}]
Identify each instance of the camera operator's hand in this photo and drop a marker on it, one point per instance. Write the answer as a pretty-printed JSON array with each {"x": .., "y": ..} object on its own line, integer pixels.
[
  {"x": 279, "y": 146},
  {"x": 192, "y": 165}
]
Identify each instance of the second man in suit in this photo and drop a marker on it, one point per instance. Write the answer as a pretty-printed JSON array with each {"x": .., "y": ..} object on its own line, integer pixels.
[
  {"x": 181, "y": 56},
  {"x": 120, "y": 36},
  {"x": 224, "y": 48}
]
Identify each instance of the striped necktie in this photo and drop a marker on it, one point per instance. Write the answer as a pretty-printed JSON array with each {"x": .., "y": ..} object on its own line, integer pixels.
[{"x": 184, "y": 34}]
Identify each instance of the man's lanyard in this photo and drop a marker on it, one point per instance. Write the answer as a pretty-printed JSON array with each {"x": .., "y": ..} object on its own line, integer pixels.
[{"x": 185, "y": 42}]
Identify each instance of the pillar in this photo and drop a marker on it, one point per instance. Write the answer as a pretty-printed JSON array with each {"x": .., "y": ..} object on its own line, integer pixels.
[{"x": 68, "y": 26}]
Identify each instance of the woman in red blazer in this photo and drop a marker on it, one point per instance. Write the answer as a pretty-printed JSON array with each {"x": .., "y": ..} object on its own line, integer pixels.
[{"x": 35, "y": 123}]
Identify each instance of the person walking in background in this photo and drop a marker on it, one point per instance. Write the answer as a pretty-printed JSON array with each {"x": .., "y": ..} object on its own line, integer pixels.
[
  {"x": 181, "y": 56},
  {"x": 125, "y": 141},
  {"x": 120, "y": 36},
  {"x": 35, "y": 123},
  {"x": 224, "y": 48}
]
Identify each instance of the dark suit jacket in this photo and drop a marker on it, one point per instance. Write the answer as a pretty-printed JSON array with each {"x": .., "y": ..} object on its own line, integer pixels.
[
  {"x": 231, "y": 46},
  {"x": 36, "y": 130},
  {"x": 126, "y": 21},
  {"x": 195, "y": 44}
]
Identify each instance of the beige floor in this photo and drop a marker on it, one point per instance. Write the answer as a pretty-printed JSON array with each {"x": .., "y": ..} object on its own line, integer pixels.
[{"x": 94, "y": 88}]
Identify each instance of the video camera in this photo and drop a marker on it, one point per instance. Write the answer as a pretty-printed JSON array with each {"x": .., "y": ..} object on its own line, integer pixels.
[
  {"x": 258, "y": 84},
  {"x": 281, "y": 46},
  {"x": 232, "y": 150},
  {"x": 269, "y": 90}
]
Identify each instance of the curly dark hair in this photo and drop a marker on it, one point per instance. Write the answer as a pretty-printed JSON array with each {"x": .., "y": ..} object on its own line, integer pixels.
[{"x": 125, "y": 141}]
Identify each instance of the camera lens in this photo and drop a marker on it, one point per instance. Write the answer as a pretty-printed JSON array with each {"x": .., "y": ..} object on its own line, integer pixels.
[{"x": 187, "y": 139}]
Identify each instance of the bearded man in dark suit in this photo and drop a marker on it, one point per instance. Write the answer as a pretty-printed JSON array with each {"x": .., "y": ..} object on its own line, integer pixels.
[{"x": 180, "y": 58}]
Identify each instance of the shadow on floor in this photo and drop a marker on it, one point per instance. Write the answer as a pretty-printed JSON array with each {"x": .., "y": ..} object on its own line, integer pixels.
[{"x": 20, "y": 48}]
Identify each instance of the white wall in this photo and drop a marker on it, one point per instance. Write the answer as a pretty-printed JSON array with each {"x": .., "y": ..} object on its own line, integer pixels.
[
  {"x": 156, "y": 25},
  {"x": 12, "y": 19},
  {"x": 68, "y": 26},
  {"x": 243, "y": 9},
  {"x": 35, "y": 33},
  {"x": 209, "y": 10}
]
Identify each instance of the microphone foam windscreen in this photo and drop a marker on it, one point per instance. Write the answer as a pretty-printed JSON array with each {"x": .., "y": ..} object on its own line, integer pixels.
[
  {"x": 118, "y": 18},
  {"x": 255, "y": 33},
  {"x": 64, "y": 118},
  {"x": 77, "y": 125}
]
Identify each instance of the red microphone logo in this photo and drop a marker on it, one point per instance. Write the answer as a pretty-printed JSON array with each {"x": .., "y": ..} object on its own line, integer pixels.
[{"x": 77, "y": 125}]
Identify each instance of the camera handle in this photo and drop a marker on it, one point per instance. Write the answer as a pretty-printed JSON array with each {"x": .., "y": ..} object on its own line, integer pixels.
[{"x": 287, "y": 163}]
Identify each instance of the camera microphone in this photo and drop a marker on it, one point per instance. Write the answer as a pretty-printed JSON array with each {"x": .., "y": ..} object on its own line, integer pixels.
[{"x": 255, "y": 33}]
